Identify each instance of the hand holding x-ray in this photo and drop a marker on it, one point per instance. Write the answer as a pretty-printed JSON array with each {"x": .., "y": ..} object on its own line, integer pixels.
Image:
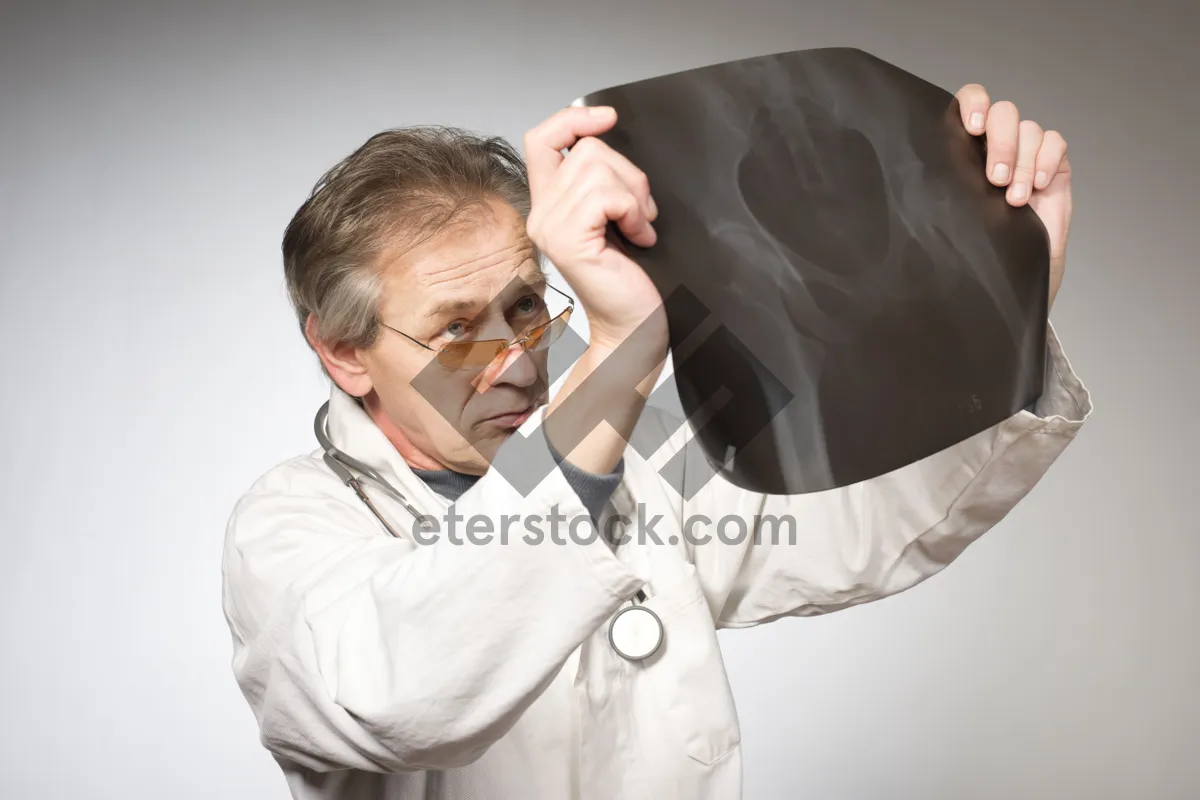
[{"x": 1030, "y": 161}]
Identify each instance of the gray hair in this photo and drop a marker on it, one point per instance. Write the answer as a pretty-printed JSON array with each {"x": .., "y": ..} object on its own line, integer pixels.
[{"x": 405, "y": 182}]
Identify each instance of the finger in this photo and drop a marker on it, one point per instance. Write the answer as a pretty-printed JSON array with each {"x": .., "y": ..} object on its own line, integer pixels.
[
  {"x": 622, "y": 207},
  {"x": 1050, "y": 159},
  {"x": 590, "y": 150},
  {"x": 1002, "y": 130},
  {"x": 600, "y": 195},
  {"x": 545, "y": 142},
  {"x": 973, "y": 104},
  {"x": 1029, "y": 141}
]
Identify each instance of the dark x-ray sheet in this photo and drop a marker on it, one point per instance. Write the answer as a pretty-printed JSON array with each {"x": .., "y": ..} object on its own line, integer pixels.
[{"x": 844, "y": 286}]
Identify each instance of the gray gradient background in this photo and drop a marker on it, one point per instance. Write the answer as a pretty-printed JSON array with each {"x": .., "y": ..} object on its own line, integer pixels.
[{"x": 151, "y": 155}]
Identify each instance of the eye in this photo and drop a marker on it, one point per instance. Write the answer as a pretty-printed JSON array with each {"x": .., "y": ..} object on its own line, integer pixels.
[
  {"x": 456, "y": 330},
  {"x": 529, "y": 304}
]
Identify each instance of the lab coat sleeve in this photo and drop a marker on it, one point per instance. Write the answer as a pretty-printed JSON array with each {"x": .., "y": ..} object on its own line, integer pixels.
[
  {"x": 878, "y": 537},
  {"x": 358, "y": 650}
]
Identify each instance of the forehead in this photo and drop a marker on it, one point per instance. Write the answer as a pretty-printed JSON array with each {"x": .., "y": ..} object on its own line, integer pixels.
[{"x": 480, "y": 258}]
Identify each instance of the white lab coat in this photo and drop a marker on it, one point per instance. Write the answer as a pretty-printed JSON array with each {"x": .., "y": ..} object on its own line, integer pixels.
[{"x": 377, "y": 668}]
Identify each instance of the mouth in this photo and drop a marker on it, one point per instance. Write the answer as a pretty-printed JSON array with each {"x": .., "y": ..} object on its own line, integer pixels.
[{"x": 512, "y": 419}]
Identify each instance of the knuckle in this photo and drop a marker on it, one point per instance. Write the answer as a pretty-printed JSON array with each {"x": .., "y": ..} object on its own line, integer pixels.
[
  {"x": 979, "y": 92},
  {"x": 1030, "y": 127},
  {"x": 597, "y": 172},
  {"x": 1005, "y": 108},
  {"x": 617, "y": 199},
  {"x": 587, "y": 147},
  {"x": 1055, "y": 138},
  {"x": 1002, "y": 151},
  {"x": 532, "y": 136}
]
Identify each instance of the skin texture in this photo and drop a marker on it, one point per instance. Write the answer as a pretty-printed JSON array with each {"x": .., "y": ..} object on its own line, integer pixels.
[{"x": 574, "y": 198}]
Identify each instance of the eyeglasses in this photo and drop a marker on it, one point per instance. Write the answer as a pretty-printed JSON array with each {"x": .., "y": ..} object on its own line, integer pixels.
[{"x": 479, "y": 354}]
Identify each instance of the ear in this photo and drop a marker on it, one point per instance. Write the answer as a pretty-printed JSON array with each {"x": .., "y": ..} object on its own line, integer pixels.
[{"x": 342, "y": 361}]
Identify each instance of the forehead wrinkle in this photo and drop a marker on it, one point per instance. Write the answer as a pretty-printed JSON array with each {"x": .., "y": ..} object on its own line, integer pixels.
[
  {"x": 459, "y": 271},
  {"x": 533, "y": 279}
]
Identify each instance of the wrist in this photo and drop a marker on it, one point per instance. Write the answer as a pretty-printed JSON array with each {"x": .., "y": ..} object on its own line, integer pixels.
[
  {"x": 646, "y": 341},
  {"x": 590, "y": 419},
  {"x": 632, "y": 362}
]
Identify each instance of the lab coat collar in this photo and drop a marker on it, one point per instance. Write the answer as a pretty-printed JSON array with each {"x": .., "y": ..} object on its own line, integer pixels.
[{"x": 352, "y": 431}]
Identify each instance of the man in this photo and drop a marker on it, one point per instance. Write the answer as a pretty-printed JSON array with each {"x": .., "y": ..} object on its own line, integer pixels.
[{"x": 382, "y": 661}]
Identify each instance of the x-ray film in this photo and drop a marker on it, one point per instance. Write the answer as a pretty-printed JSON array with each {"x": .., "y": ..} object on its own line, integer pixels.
[{"x": 847, "y": 293}]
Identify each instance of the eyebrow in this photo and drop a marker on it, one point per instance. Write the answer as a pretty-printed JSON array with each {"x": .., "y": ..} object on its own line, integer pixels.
[
  {"x": 450, "y": 306},
  {"x": 533, "y": 281}
]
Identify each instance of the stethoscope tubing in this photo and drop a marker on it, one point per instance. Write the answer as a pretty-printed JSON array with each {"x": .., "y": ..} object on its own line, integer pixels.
[{"x": 343, "y": 465}]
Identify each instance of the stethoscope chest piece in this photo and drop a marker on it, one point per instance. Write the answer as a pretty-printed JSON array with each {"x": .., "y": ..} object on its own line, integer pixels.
[{"x": 635, "y": 633}]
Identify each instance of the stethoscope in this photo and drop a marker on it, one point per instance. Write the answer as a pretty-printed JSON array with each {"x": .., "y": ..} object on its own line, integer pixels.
[{"x": 635, "y": 633}]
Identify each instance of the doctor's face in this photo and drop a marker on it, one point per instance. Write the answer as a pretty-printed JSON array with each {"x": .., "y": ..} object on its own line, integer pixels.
[{"x": 475, "y": 280}]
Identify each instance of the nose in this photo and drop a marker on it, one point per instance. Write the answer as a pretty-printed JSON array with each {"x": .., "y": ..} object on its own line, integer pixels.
[{"x": 513, "y": 366}]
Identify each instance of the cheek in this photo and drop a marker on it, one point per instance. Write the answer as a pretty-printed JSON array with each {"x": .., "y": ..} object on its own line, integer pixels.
[
  {"x": 435, "y": 391},
  {"x": 417, "y": 387}
]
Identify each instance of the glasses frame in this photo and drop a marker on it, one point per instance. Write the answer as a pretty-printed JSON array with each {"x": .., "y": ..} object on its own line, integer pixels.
[{"x": 501, "y": 344}]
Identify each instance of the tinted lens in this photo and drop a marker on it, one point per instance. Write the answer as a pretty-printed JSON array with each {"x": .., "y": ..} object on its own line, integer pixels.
[
  {"x": 469, "y": 355},
  {"x": 477, "y": 355},
  {"x": 542, "y": 337}
]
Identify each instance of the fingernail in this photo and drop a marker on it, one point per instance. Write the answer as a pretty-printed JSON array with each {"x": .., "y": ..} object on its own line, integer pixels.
[
  {"x": 1039, "y": 180},
  {"x": 600, "y": 111},
  {"x": 653, "y": 206},
  {"x": 1000, "y": 171},
  {"x": 1019, "y": 191},
  {"x": 976, "y": 121}
]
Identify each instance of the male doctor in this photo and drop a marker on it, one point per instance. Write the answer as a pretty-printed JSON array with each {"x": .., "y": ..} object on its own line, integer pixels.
[{"x": 383, "y": 661}]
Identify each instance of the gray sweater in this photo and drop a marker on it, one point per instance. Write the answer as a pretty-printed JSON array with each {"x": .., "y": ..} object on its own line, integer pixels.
[{"x": 593, "y": 490}]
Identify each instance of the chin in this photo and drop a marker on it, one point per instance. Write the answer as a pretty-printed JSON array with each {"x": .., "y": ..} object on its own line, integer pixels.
[{"x": 487, "y": 445}]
